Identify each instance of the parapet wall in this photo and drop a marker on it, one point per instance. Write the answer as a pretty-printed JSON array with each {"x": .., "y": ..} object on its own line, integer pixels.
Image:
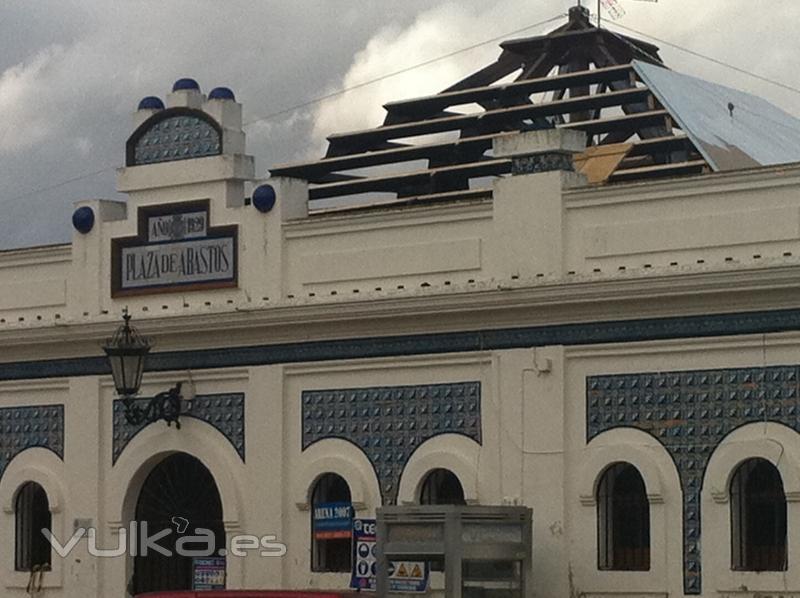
[{"x": 541, "y": 229}]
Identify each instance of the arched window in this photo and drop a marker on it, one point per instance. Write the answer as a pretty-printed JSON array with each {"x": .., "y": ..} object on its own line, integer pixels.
[
  {"x": 441, "y": 487},
  {"x": 623, "y": 520},
  {"x": 32, "y": 515},
  {"x": 758, "y": 517},
  {"x": 331, "y": 534}
]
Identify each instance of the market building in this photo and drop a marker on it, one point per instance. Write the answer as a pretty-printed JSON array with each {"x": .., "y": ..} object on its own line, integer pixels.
[{"x": 568, "y": 282}]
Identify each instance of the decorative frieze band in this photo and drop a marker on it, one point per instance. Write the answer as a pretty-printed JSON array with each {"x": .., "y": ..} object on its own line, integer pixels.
[
  {"x": 390, "y": 423},
  {"x": 22, "y": 428},
  {"x": 690, "y": 413},
  {"x": 225, "y": 412}
]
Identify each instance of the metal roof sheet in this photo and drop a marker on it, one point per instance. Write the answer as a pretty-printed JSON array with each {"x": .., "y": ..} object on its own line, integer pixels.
[{"x": 756, "y": 133}]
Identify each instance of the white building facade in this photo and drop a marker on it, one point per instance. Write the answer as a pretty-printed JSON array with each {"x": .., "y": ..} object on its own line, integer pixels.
[{"x": 623, "y": 359}]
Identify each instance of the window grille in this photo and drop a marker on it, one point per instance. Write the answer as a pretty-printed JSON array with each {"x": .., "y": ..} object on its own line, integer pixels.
[
  {"x": 758, "y": 518},
  {"x": 32, "y": 515},
  {"x": 330, "y": 555},
  {"x": 441, "y": 487},
  {"x": 623, "y": 519}
]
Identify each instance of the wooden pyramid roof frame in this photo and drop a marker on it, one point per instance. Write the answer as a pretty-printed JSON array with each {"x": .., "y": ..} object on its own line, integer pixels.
[{"x": 577, "y": 76}]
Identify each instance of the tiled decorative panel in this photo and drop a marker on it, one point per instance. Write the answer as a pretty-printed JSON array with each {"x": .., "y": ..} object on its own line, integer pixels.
[
  {"x": 177, "y": 138},
  {"x": 22, "y": 428},
  {"x": 690, "y": 413},
  {"x": 224, "y": 412},
  {"x": 545, "y": 162},
  {"x": 389, "y": 423}
]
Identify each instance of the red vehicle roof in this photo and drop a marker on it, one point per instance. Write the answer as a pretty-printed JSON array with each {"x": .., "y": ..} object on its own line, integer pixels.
[{"x": 248, "y": 594}]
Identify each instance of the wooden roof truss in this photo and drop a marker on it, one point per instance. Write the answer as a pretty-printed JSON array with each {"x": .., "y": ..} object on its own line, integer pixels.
[{"x": 439, "y": 147}]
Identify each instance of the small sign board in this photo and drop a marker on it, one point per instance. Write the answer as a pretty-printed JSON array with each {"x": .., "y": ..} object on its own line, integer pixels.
[
  {"x": 177, "y": 227},
  {"x": 175, "y": 249},
  {"x": 405, "y": 577},
  {"x": 208, "y": 573},
  {"x": 333, "y": 521}
]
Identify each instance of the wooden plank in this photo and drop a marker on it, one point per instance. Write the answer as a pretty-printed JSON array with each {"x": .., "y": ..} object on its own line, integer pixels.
[
  {"x": 431, "y": 104},
  {"x": 334, "y": 151},
  {"x": 528, "y": 46},
  {"x": 506, "y": 64},
  {"x": 394, "y": 183},
  {"x": 598, "y": 163},
  {"x": 660, "y": 144},
  {"x": 335, "y": 177},
  {"x": 316, "y": 171},
  {"x": 470, "y": 194},
  {"x": 660, "y": 170},
  {"x": 311, "y": 171},
  {"x": 365, "y": 138},
  {"x": 631, "y": 122}
]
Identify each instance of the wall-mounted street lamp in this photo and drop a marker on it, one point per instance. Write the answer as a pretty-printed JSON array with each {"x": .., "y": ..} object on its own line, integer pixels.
[{"x": 127, "y": 351}]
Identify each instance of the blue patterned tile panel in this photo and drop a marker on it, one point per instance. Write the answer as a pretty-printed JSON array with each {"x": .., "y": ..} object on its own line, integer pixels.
[
  {"x": 389, "y": 423},
  {"x": 22, "y": 428},
  {"x": 225, "y": 412},
  {"x": 690, "y": 413},
  {"x": 179, "y": 137}
]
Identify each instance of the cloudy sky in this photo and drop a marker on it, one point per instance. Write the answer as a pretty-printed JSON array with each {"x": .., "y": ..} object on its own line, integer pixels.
[{"x": 71, "y": 71}]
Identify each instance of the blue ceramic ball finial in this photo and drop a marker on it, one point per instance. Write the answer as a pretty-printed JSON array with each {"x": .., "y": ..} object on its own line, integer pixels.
[
  {"x": 83, "y": 220},
  {"x": 264, "y": 198},
  {"x": 151, "y": 103},
  {"x": 186, "y": 84},
  {"x": 222, "y": 93}
]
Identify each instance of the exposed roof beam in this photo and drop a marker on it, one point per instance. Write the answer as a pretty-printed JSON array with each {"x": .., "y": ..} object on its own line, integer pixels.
[
  {"x": 468, "y": 194},
  {"x": 632, "y": 122},
  {"x": 506, "y": 64},
  {"x": 660, "y": 144},
  {"x": 311, "y": 170},
  {"x": 523, "y": 89},
  {"x": 692, "y": 166},
  {"x": 361, "y": 140},
  {"x": 395, "y": 183}
]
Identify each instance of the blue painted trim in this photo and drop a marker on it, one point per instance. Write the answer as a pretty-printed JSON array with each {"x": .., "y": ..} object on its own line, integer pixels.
[{"x": 589, "y": 333}]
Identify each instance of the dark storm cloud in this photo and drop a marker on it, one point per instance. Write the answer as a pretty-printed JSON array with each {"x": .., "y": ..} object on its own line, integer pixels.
[{"x": 72, "y": 70}]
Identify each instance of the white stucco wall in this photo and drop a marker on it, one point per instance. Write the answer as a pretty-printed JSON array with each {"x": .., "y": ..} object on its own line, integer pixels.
[{"x": 544, "y": 251}]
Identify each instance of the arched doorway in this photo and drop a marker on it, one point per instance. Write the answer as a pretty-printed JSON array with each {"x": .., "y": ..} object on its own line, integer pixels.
[{"x": 179, "y": 495}]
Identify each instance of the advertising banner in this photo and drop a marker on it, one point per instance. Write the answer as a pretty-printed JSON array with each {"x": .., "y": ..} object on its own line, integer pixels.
[
  {"x": 208, "y": 573},
  {"x": 333, "y": 521},
  {"x": 409, "y": 577}
]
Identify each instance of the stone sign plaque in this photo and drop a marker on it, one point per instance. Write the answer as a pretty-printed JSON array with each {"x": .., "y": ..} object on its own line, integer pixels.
[{"x": 175, "y": 249}]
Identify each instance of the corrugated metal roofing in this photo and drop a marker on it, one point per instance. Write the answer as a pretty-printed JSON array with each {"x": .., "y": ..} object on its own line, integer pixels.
[{"x": 756, "y": 133}]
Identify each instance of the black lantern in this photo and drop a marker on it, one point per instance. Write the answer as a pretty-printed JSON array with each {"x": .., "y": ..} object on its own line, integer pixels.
[{"x": 126, "y": 352}]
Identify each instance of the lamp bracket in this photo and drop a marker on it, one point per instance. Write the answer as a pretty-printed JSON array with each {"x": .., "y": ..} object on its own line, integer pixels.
[{"x": 165, "y": 405}]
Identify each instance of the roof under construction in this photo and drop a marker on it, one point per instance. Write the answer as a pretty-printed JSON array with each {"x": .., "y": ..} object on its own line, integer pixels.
[{"x": 642, "y": 121}]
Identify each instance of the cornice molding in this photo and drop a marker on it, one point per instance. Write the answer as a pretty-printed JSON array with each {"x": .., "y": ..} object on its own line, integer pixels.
[{"x": 580, "y": 300}]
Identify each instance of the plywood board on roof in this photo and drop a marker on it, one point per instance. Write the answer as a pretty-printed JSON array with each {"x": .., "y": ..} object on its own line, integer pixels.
[{"x": 599, "y": 162}]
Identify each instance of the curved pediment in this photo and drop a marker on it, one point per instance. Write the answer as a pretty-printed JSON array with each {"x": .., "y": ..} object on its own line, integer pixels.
[{"x": 174, "y": 134}]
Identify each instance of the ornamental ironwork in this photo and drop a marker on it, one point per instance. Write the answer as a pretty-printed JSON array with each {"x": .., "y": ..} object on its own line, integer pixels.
[{"x": 225, "y": 412}]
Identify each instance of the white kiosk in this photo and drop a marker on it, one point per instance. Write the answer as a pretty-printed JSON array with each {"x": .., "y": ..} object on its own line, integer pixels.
[{"x": 486, "y": 551}]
